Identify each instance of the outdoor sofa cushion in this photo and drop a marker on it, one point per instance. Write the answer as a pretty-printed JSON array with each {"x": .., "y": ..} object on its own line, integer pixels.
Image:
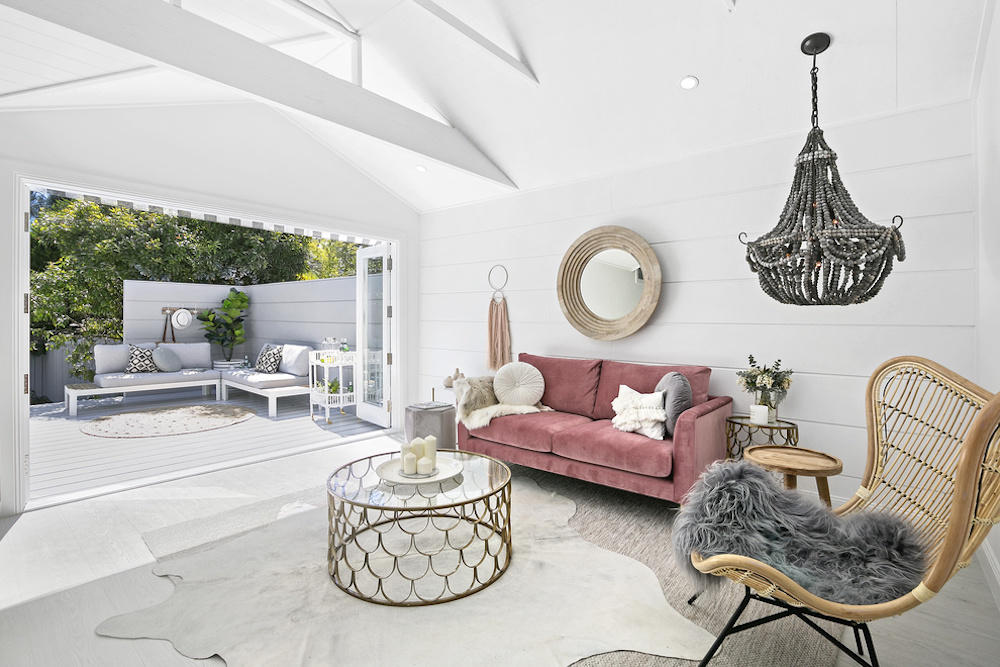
[
  {"x": 253, "y": 378},
  {"x": 112, "y": 358},
  {"x": 192, "y": 355},
  {"x": 165, "y": 359},
  {"x": 123, "y": 379},
  {"x": 294, "y": 359}
]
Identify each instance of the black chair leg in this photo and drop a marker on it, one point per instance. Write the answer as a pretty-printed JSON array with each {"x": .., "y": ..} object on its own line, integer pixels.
[
  {"x": 872, "y": 658},
  {"x": 726, "y": 630},
  {"x": 857, "y": 640}
]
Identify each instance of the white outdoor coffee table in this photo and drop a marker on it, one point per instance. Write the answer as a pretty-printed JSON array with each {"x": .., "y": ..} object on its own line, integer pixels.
[{"x": 417, "y": 544}]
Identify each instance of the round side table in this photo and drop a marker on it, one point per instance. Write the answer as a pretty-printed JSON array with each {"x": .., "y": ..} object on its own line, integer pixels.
[
  {"x": 741, "y": 434},
  {"x": 794, "y": 461}
]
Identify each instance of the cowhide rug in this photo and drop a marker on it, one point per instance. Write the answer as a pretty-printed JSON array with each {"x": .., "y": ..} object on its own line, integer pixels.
[{"x": 265, "y": 598}]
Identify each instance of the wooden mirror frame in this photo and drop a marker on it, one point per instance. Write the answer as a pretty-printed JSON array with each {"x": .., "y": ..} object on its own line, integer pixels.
[{"x": 610, "y": 237}]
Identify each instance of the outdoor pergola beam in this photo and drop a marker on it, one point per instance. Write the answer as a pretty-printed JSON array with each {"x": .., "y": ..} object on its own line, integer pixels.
[
  {"x": 476, "y": 37},
  {"x": 322, "y": 21},
  {"x": 179, "y": 39}
]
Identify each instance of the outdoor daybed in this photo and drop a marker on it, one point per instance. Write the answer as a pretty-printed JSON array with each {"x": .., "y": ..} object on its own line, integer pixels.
[
  {"x": 291, "y": 378},
  {"x": 577, "y": 438},
  {"x": 193, "y": 363}
]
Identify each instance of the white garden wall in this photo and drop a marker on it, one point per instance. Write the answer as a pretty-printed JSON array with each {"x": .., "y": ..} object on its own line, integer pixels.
[{"x": 919, "y": 165}]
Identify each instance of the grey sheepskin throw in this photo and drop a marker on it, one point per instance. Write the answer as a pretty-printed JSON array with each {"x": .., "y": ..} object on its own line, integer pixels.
[
  {"x": 477, "y": 404},
  {"x": 739, "y": 508}
]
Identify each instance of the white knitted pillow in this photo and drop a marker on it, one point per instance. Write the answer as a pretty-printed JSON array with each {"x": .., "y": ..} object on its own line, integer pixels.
[
  {"x": 639, "y": 413},
  {"x": 518, "y": 383}
]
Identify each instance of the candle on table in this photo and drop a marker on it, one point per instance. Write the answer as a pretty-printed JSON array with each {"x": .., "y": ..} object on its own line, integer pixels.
[
  {"x": 404, "y": 450},
  {"x": 758, "y": 414},
  {"x": 417, "y": 447},
  {"x": 410, "y": 464},
  {"x": 425, "y": 466},
  {"x": 430, "y": 450}
]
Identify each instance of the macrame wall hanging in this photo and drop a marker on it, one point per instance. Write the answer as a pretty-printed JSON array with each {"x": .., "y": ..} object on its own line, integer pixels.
[
  {"x": 499, "y": 325},
  {"x": 823, "y": 250}
]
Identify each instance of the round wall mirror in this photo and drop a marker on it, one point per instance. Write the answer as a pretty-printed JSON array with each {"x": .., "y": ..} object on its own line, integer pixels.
[{"x": 609, "y": 283}]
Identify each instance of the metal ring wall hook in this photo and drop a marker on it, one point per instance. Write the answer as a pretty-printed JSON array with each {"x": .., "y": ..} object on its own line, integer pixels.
[
  {"x": 498, "y": 296},
  {"x": 741, "y": 237},
  {"x": 900, "y": 225},
  {"x": 505, "y": 276}
]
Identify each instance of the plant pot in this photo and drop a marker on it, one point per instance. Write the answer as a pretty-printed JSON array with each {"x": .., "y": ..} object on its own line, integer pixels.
[
  {"x": 227, "y": 365},
  {"x": 763, "y": 415}
]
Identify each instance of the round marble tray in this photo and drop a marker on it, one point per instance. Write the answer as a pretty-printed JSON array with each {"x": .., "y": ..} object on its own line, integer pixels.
[{"x": 392, "y": 471}]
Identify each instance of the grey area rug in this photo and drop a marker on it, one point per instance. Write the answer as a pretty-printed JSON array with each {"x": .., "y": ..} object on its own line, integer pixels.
[
  {"x": 157, "y": 422},
  {"x": 264, "y": 598}
]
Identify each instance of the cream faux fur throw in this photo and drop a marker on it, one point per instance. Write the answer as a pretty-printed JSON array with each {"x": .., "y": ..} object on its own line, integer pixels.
[{"x": 477, "y": 404}]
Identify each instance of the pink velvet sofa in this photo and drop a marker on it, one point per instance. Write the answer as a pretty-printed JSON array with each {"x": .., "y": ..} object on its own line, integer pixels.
[{"x": 577, "y": 439}]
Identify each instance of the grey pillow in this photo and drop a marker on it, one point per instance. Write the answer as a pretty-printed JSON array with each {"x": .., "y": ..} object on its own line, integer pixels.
[
  {"x": 166, "y": 360},
  {"x": 677, "y": 398}
]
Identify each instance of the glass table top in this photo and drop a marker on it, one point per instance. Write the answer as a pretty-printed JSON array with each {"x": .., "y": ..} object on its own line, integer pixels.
[{"x": 358, "y": 483}]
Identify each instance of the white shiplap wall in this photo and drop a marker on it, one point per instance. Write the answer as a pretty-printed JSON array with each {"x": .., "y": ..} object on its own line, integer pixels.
[{"x": 918, "y": 164}]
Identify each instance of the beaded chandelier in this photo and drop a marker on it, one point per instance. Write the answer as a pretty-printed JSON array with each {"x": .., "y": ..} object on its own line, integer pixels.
[{"x": 823, "y": 250}]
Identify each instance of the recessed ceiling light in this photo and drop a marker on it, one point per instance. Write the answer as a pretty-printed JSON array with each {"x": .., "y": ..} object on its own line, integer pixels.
[
  {"x": 689, "y": 82},
  {"x": 421, "y": 168}
]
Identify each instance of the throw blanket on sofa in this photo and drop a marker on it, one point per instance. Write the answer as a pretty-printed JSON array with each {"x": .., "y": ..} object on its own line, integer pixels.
[
  {"x": 739, "y": 508},
  {"x": 477, "y": 404}
]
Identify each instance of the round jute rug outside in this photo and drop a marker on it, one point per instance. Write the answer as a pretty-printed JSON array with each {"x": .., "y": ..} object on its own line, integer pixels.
[{"x": 157, "y": 422}]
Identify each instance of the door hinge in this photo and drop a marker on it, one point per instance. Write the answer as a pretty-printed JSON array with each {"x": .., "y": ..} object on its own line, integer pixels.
[
  {"x": 26, "y": 219},
  {"x": 388, "y": 312},
  {"x": 25, "y": 303},
  {"x": 388, "y": 359},
  {"x": 27, "y": 464},
  {"x": 388, "y": 263},
  {"x": 26, "y": 389}
]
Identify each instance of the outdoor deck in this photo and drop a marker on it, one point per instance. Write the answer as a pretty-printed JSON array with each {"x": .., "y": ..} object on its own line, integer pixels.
[{"x": 66, "y": 464}]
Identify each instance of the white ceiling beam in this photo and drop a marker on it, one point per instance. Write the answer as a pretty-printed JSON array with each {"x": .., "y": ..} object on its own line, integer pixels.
[
  {"x": 81, "y": 82},
  {"x": 316, "y": 18},
  {"x": 186, "y": 42},
  {"x": 476, "y": 37}
]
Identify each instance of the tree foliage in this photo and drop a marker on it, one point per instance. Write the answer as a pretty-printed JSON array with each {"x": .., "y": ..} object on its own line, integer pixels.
[
  {"x": 331, "y": 259},
  {"x": 82, "y": 252}
]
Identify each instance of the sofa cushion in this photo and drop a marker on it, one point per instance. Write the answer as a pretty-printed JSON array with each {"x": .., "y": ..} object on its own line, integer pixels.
[
  {"x": 644, "y": 379},
  {"x": 254, "y": 378},
  {"x": 269, "y": 359},
  {"x": 165, "y": 359},
  {"x": 676, "y": 398},
  {"x": 140, "y": 360},
  {"x": 110, "y": 380},
  {"x": 192, "y": 355},
  {"x": 639, "y": 413},
  {"x": 112, "y": 358},
  {"x": 533, "y": 432},
  {"x": 598, "y": 442},
  {"x": 294, "y": 359},
  {"x": 518, "y": 383},
  {"x": 570, "y": 384}
]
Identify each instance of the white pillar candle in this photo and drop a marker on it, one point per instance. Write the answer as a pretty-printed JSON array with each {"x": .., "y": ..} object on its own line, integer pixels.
[
  {"x": 404, "y": 450},
  {"x": 410, "y": 464},
  {"x": 758, "y": 414},
  {"x": 424, "y": 466},
  {"x": 417, "y": 447},
  {"x": 430, "y": 449}
]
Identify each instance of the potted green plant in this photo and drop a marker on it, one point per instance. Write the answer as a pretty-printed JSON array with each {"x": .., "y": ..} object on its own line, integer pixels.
[{"x": 224, "y": 325}]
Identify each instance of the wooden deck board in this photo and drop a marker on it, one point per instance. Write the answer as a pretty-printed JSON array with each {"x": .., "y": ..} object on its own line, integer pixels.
[{"x": 66, "y": 462}]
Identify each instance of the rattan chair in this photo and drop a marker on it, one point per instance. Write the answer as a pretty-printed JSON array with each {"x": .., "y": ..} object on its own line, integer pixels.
[{"x": 933, "y": 459}]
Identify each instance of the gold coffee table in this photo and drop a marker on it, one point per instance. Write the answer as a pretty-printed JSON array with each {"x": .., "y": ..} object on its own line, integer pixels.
[
  {"x": 793, "y": 461},
  {"x": 418, "y": 544}
]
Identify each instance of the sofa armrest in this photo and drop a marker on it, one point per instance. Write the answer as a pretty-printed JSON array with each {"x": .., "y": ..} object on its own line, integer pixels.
[{"x": 699, "y": 441}]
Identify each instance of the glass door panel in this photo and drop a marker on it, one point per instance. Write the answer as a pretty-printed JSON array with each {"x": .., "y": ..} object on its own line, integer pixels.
[{"x": 373, "y": 334}]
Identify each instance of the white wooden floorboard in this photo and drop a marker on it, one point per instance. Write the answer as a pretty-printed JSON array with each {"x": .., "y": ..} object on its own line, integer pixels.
[{"x": 66, "y": 464}]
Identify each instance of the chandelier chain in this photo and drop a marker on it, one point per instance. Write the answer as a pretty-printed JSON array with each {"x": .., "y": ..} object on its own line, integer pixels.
[{"x": 814, "y": 73}]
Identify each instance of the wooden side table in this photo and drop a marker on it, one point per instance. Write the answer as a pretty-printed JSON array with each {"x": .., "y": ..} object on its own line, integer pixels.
[
  {"x": 741, "y": 434},
  {"x": 794, "y": 461}
]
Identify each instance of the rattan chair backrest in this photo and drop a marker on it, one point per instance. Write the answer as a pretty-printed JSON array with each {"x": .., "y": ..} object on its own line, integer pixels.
[{"x": 933, "y": 458}]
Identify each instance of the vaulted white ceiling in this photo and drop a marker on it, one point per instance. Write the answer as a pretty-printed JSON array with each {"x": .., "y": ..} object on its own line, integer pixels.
[{"x": 596, "y": 91}]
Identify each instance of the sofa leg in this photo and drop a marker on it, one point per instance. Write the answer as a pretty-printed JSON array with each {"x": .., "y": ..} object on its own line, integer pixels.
[
  {"x": 204, "y": 390},
  {"x": 223, "y": 392},
  {"x": 272, "y": 407},
  {"x": 71, "y": 404}
]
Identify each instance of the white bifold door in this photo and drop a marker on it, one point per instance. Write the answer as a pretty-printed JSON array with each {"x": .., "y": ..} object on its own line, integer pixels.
[{"x": 374, "y": 266}]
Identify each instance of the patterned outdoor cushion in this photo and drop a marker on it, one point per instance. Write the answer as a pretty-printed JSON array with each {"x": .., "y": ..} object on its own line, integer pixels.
[
  {"x": 140, "y": 360},
  {"x": 269, "y": 359}
]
